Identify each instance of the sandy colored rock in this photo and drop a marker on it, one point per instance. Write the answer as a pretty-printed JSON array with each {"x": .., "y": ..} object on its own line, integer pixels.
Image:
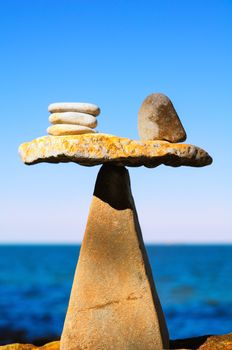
[
  {"x": 51, "y": 346},
  {"x": 73, "y": 118},
  {"x": 113, "y": 303},
  {"x": 220, "y": 342},
  {"x": 68, "y": 129},
  {"x": 88, "y": 108},
  {"x": 94, "y": 149},
  {"x": 158, "y": 120}
]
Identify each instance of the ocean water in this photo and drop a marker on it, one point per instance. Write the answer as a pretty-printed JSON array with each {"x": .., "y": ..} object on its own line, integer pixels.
[{"x": 194, "y": 283}]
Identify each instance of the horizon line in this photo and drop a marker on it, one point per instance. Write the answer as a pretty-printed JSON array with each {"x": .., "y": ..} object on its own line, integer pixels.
[{"x": 146, "y": 243}]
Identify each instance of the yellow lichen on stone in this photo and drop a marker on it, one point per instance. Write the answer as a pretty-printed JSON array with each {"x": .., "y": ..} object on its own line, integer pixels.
[
  {"x": 95, "y": 149},
  {"x": 50, "y": 346},
  {"x": 220, "y": 342}
]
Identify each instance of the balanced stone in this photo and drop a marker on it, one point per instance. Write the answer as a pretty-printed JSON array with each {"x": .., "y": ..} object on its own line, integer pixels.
[
  {"x": 95, "y": 149},
  {"x": 68, "y": 129},
  {"x": 113, "y": 303},
  {"x": 73, "y": 118},
  {"x": 88, "y": 108},
  {"x": 158, "y": 120}
]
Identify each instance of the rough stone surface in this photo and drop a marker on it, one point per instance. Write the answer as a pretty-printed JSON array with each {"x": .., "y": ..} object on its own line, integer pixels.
[
  {"x": 68, "y": 129},
  {"x": 73, "y": 118},
  {"x": 113, "y": 303},
  {"x": 51, "y": 346},
  {"x": 94, "y": 149},
  {"x": 88, "y": 108},
  {"x": 158, "y": 120},
  {"x": 220, "y": 342}
]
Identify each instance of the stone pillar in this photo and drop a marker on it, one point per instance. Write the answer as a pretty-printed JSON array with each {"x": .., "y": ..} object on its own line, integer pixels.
[{"x": 113, "y": 303}]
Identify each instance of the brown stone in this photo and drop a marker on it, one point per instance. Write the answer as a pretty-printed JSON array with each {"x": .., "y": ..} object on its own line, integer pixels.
[
  {"x": 94, "y": 149},
  {"x": 113, "y": 303},
  {"x": 158, "y": 120}
]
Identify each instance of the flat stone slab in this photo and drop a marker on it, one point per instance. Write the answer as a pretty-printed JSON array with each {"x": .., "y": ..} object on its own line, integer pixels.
[{"x": 95, "y": 149}]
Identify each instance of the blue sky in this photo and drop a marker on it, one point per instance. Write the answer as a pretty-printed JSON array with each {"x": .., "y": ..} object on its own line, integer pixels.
[{"x": 115, "y": 53}]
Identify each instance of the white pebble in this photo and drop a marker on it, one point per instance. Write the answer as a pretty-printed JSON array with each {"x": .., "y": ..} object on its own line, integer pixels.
[
  {"x": 88, "y": 108},
  {"x": 73, "y": 118},
  {"x": 68, "y": 129}
]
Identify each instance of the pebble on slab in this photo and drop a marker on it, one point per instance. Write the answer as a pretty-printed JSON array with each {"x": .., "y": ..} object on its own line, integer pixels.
[
  {"x": 68, "y": 129},
  {"x": 158, "y": 120}
]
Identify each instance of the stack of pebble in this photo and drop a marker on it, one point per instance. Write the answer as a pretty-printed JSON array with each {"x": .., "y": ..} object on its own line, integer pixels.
[{"x": 72, "y": 118}]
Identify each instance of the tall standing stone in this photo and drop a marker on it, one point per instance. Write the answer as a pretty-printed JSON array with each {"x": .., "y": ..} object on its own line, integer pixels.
[{"x": 113, "y": 303}]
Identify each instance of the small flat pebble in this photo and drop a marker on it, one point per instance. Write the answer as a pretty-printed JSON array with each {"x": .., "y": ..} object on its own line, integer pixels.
[
  {"x": 60, "y": 107},
  {"x": 73, "y": 118},
  {"x": 68, "y": 129}
]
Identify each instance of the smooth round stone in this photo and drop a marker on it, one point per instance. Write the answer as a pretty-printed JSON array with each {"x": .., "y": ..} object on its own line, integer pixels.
[
  {"x": 158, "y": 120},
  {"x": 60, "y": 107},
  {"x": 73, "y": 118},
  {"x": 68, "y": 129}
]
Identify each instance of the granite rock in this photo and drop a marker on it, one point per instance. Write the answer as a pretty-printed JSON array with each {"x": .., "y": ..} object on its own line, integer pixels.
[
  {"x": 73, "y": 118},
  {"x": 158, "y": 120},
  {"x": 95, "y": 149},
  {"x": 60, "y": 107},
  {"x": 68, "y": 129},
  {"x": 113, "y": 303}
]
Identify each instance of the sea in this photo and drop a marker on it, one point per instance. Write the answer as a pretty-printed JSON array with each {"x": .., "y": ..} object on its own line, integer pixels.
[{"x": 194, "y": 283}]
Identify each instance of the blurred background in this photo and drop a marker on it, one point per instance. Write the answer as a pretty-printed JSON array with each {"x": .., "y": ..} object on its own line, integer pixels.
[{"x": 115, "y": 53}]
